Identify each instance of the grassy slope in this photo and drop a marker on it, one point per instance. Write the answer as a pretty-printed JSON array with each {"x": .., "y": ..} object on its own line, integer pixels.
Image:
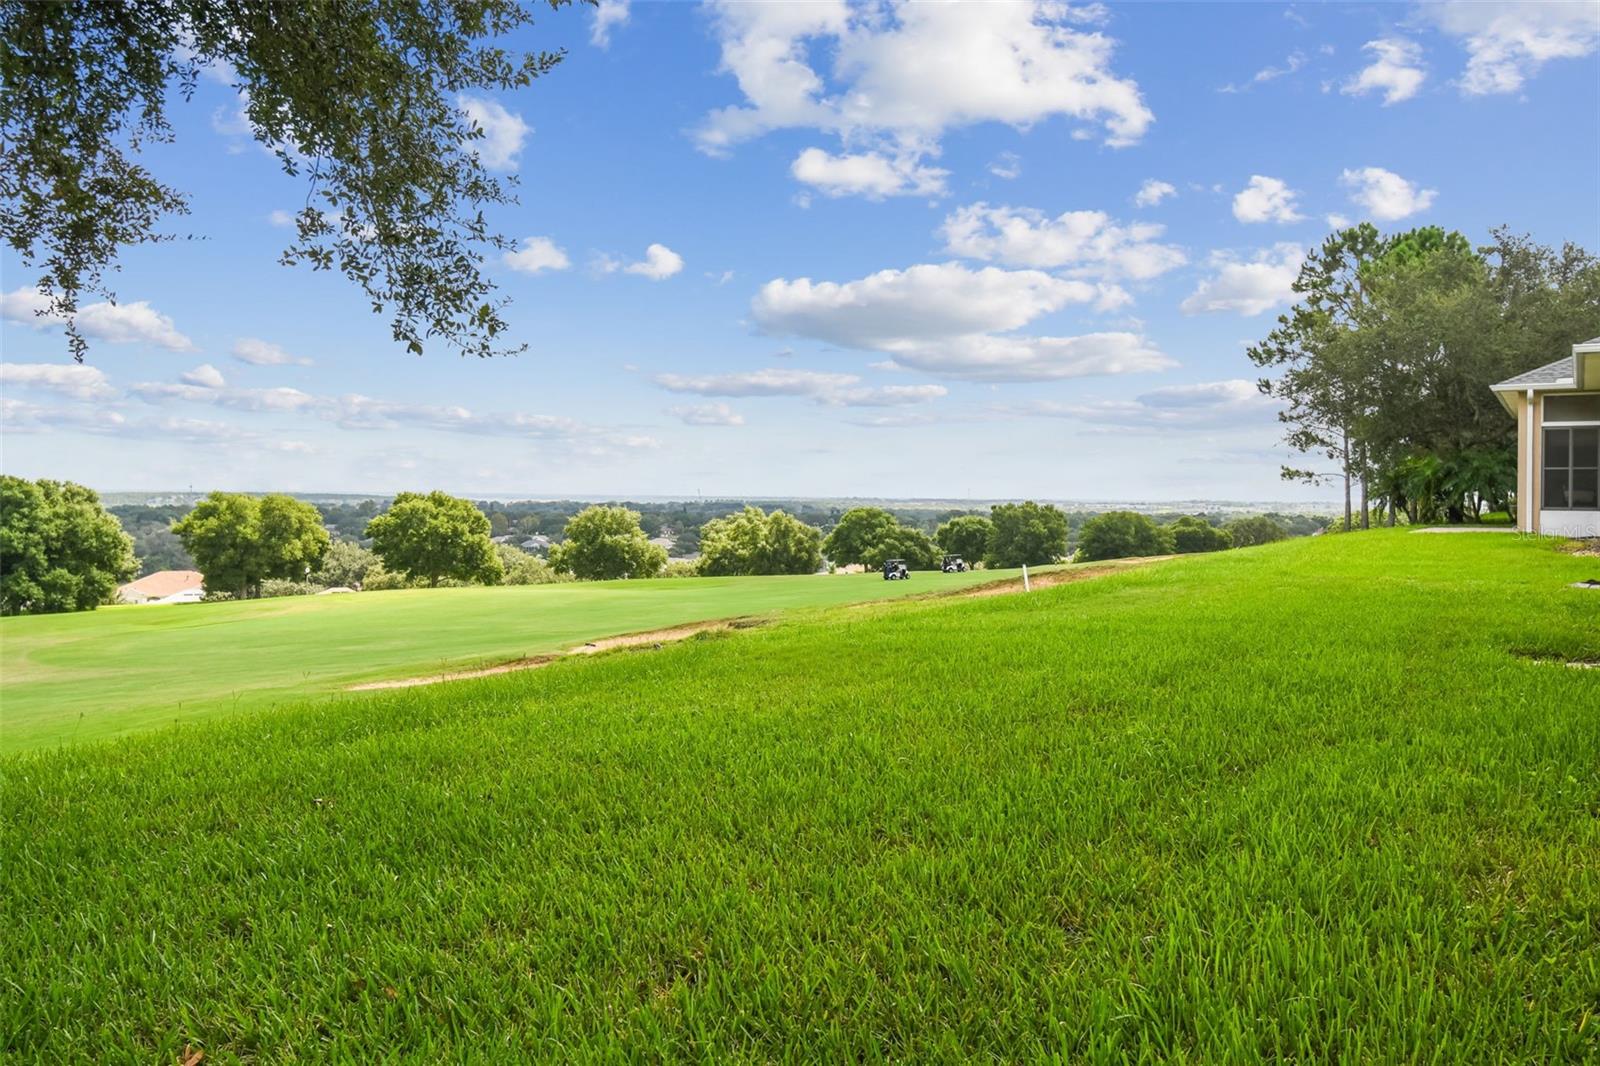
[
  {"x": 116, "y": 670},
  {"x": 1291, "y": 802}
]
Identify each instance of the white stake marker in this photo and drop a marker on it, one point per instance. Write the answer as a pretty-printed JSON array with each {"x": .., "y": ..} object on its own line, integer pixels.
[{"x": 1025, "y": 586}]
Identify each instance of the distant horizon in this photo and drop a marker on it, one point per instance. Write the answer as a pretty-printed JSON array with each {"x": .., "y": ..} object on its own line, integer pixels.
[{"x": 1083, "y": 503}]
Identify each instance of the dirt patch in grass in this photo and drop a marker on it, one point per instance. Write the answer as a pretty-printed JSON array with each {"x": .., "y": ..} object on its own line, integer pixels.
[
  {"x": 653, "y": 637},
  {"x": 657, "y": 637},
  {"x": 1556, "y": 659},
  {"x": 1055, "y": 577}
]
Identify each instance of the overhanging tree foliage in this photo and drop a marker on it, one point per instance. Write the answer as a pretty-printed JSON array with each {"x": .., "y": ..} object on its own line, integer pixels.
[{"x": 358, "y": 96}]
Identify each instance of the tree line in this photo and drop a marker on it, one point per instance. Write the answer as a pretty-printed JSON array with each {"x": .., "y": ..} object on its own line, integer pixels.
[
  {"x": 1384, "y": 365},
  {"x": 61, "y": 550}
]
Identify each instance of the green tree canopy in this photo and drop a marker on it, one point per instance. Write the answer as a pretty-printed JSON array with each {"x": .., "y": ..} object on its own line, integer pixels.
[
  {"x": 1256, "y": 529},
  {"x": 605, "y": 543},
  {"x": 237, "y": 541},
  {"x": 433, "y": 536},
  {"x": 523, "y": 569},
  {"x": 1191, "y": 534},
  {"x": 855, "y": 534},
  {"x": 59, "y": 549},
  {"x": 1028, "y": 534},
  {"x": 1122, "y": 535},
  {"x": 902, "y": 542},
  {"x": 965, "y": 535},
  {"x": 362, "y": 97},
  {"x": 754, "y": 542}
]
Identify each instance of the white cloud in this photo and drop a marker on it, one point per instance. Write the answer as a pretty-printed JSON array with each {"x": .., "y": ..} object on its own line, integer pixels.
[
  {"x": 281, "y": 219},
  {"x": 260, "y": 353},
  {"x": 1085, "y": 240},
  {"x": 1007, "y": 167},
  {"x": 1507, "y": 42},
  {"x": 1386, "y": 195},
  {"x": 1152, "y": 192},
  {"x": 537, "y": 254},
  {"x": 1202, "y": 406},
  {"x": 869, "y": 174},
  {"x": 20, "y": 416},
  {"x": 73, "y": 380},
  {"x": 237, "y": 399},
  {"x": 707, "y": 414},
  {"x": 1295, "y": 61},
  {"x": 125, "y": 323},
  {"x": 609, "y": 15},
  {"x": 924, "y": 302},
  {"x": 1010, "y": 357},
  {"x": 1248, "y": 286},
  {"x": 205, "y": 375},
  {"x": 953, "y": 321},
  {"x": 1337, "y": 221},
  {"x": 503, "y": 131},
  {"x": 902, "y": 75},
  {"x": 1396, "y": 71},
  {"x": 658, "y": 264},
  {"x": 1266, "y": 200},
  {"x": 832, "y": 390}
]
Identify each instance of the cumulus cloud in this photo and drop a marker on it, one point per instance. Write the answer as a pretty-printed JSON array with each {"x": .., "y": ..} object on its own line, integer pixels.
[
  {"x": 829, "y": 389},
  {"x": 1204, "y": 405},
  {"x": 260, "y": 353},
  {"x": 1385, "y": 195},
  {"x": 1088, "y": 241},
  {"x": 205, "y": 375},
  {"x": 904, "y": 75},
  {"x": 1507, "y": 42},
  {"x": 503, "y": 131},
  {"x": 537, "y": 254},
  {"x": 658, "y": 264},
  {"x": 609, "y": 15},
  {"x": 1396, "y": 71},
  {"x": 1266, "y": 200},
  {"x": 124, "y": 323},
  {"x": 868, "y": 174},
  {"x": 21, "y": 416},
  {"x": 924, "y": 302},
  {"x": 1152, "y": 192},
  {"x": 954, "y": 321},
  {"x": 1248, "y": 286},
  {"x": 72, "y": 380},
  {"x": 706, "y": 414}
]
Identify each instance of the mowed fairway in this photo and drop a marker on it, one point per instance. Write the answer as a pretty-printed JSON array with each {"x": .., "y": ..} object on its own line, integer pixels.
[
  {"x": 96, "y": 674},
  {"x": 1318, "y": 802}
]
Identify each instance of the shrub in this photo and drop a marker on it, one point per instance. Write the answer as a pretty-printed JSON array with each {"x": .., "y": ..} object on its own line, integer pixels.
[
  {"x": 521, "y": 568},
  {"x": 1122, "y": 535},
  {"x": 279, "y": 586}
]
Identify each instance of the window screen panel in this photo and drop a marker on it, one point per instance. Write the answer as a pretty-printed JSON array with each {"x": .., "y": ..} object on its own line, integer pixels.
[{"x": 1580, "y": 408}]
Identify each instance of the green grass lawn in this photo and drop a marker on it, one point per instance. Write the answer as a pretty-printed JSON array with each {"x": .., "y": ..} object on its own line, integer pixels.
[
  {"x": 97, "y": 674},
  {"x": 1316, "y": 802}
]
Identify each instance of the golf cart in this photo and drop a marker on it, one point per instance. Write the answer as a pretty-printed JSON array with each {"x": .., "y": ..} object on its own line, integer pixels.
[
  {"x": 954, "y": 564},
  {"x": 896, "y": 570}
]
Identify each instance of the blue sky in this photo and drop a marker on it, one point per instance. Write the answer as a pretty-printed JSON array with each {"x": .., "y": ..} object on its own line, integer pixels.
[{"x": 994, "y": 250}]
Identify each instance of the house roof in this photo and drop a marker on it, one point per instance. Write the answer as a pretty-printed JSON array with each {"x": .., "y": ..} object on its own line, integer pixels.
[
  {"x": 1556, "y": 373},
  {"x": 163, "y": 583}
]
